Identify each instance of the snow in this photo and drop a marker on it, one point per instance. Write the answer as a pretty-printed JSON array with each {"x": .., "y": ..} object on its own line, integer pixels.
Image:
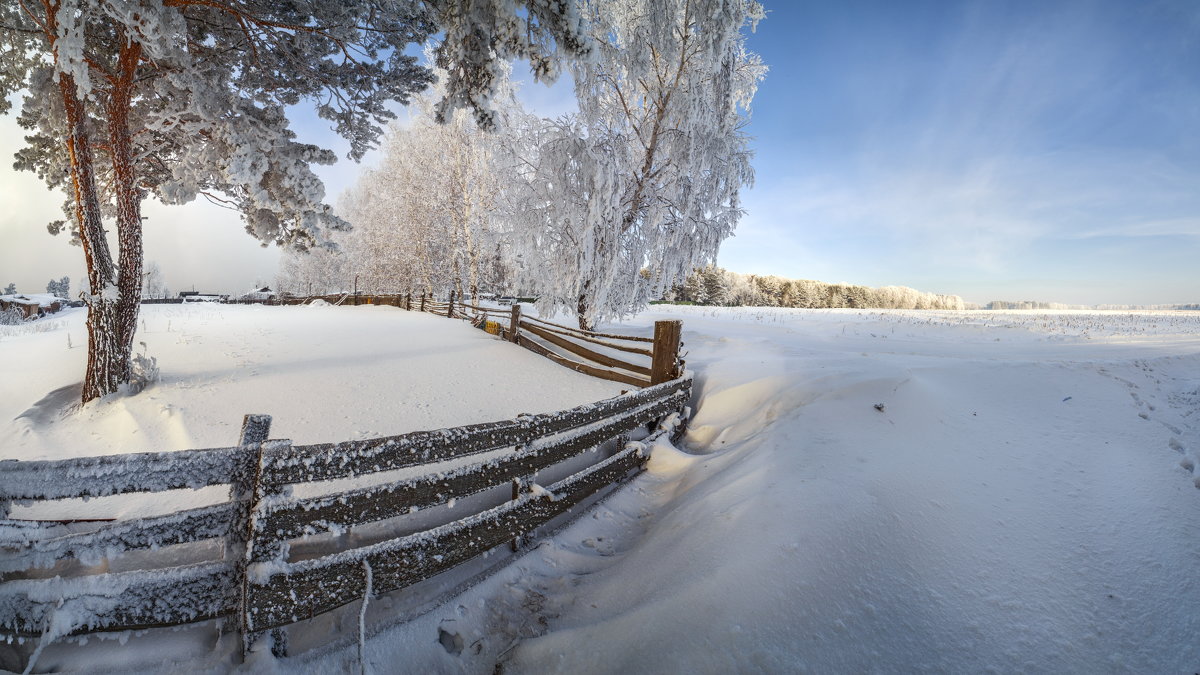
[
  {"x": 1025, "y": 500},
  {"x": 323, "y": 373},
  {"x": 979, "y": 523},
  {"x": 45, "y": 300}
]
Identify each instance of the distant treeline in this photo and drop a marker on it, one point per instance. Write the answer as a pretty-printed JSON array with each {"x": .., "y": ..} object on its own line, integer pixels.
[
  {"x": 717, "y": 286},
  {"x": 1032, "y": 304}
]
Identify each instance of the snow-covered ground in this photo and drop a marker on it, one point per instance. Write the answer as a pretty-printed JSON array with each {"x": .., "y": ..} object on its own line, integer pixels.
[
  {"x": 1025, "y": 501},
  {"x": 860, "y": 491},
  {"x": 323, "y": 374}
]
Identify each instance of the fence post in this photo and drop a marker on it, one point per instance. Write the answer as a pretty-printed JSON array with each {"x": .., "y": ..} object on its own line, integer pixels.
[
  {"x": 514, "y": 324},
  {"x": 255, "y": 429},
  {"x": 248, "y": 494},
  {"x": 422, "y": 301},
  {"x": 664, "y": 366},
  {"x": 262, "y": 547},
  {"x": 517, "y": 484},
  {"x": 408, "y": 302},
  {"x": 450, "y": 310}
]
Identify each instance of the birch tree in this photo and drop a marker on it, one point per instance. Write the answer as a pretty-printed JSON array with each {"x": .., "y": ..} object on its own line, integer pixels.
[
  {"x": 647, "y": 175},
  {"x": 318, "y": 271},
  {"x": 186, "y": 98},
  {"x": 424, "y": 217},
  {"x": 153, "y": 285}
]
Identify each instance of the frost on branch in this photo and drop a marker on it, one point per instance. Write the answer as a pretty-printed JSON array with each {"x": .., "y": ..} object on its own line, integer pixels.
[
  {"x": 130, "y": 98},
  {"x": 617, "y": 203},
  {"x": 424, "y": 219},
  {"x": 477, "y": 31}
]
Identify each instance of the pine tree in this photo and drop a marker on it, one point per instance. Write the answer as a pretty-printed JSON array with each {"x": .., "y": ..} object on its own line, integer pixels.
[
  {"x": 189, "y": 97},
  {"x": 715, "y": 290},
  {"x": 694, "y": 288},
  {"x": 59, "y": 287}
]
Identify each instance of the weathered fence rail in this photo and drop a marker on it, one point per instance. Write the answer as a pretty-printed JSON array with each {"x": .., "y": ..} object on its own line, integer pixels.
[{"x": 255, "y": 584}]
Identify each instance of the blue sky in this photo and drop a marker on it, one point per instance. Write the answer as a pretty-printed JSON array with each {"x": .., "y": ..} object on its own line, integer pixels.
[
  {"x": 994, "y": 150},
  {"x": 1040, "y": 150}
]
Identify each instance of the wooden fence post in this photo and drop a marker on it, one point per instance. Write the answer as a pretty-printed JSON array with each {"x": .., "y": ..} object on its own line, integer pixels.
[
  {"x": 248, "y": 494},
  {"x": 514, "y": 325},
  {"x": 255, "y": 429},
  {"x": 422, "y": 301},
  {"x": 664, "y": 366},
  {"x": 450, "y": 310},
  {"x": 408, "y": 302},
  {"x": 263, "y": 547},
  {"x": 517, "y": 485}
]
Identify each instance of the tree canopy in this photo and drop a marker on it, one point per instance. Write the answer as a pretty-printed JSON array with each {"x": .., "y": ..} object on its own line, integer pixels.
[{"x": 183, "y": 98}]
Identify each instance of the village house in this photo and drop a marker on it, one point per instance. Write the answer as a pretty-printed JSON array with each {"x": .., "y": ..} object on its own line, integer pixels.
[{"x": 32, "y": 305}]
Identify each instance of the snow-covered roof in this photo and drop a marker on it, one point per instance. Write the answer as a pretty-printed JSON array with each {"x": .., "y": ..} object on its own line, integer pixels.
[{"x": 39, "y": 299}]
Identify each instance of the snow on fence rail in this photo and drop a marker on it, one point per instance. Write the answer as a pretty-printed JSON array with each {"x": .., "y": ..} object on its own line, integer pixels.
[{"x": 254, "y": 584}]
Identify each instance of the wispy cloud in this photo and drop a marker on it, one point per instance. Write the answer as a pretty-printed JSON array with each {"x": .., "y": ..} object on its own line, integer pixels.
[{"x": 959, "y": 142}]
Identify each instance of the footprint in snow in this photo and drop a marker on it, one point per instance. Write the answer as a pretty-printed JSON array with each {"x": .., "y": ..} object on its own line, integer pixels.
[{"x": 1188, "y": 462}]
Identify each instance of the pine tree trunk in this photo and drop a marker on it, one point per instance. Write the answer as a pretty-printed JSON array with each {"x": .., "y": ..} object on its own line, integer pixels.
[
  {"x": 107, "y": 364},
  {"x": 128, "y": 199}
]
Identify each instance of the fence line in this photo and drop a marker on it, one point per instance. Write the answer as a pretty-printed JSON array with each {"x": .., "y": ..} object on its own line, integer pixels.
[
  {"x": 210, "y": 590},
  {"x": 256, "y": 586},
  {"x": 565, "y": 345}
]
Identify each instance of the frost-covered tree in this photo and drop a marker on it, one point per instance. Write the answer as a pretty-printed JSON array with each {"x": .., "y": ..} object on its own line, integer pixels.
[
  {"x": 10, "y": 289},
  {"x": 647, "y": 175},
  {"x": 183, "y": 98},
  {"x": 424, "y": 217},
  {"x": 318, "y": 271},
  {"x": 152, "y": 281},
  {"x": 715, "y": 287},
  {"x": 421, "y": 214},
  {"x": 59, "y": 287}
]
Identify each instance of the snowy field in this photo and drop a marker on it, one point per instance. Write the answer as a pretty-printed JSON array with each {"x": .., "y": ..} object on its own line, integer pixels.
[
  {"x": 860, "y": 491},
  {"x": 323, "y": 374}
]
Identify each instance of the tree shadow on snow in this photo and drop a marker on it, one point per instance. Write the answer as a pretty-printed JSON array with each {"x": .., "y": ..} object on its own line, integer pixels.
[{"x": 53, "y": 406}]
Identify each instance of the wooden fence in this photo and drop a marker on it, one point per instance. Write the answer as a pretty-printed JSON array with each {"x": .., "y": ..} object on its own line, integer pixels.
[
  {"x": 255, "y": 584},
  {"x": 633, "y": 360}
]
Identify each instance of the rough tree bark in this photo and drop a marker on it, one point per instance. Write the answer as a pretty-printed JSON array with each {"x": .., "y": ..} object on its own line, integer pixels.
[
  {"x": 129, "y": 203},
  {"x": 105, "y": 368}
]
